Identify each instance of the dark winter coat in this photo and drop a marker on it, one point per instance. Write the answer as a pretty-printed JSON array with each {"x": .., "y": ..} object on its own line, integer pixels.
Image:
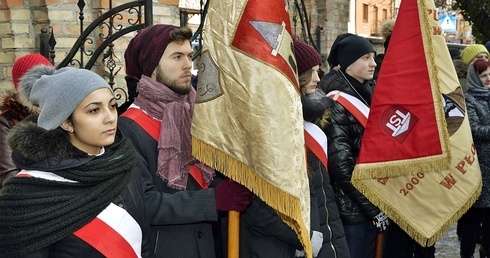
[
  {"x": 130, "y": 198},
  {"x": 478, "y": 109},
  {"x": 11, "y": 112},
  {"x": 325, "y": 216},
  {"x": 181, "y": 221},
  {"x": 344, "y": 135},
  {"x": 263, "y": 234}
]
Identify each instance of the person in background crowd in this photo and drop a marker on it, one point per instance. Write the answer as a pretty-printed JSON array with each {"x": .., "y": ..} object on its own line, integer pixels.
[
  {"x": 14, "y": 110},
  {"x": 454, "y": 52},
  {"x": 182, "y": 194},
  {"x": 361, "y": 219},
  {"x": 469, "y": 54},
  {"x": 478, "y": 108},
  {"x": 459, "y": 66},
  {"x": 487, "y": 45},
  {"x": 325, "y": 216},
  {"x": 386, "y": 30},
  {"x": 473, "y": 52},
  {"x": 78, "y": 194}
]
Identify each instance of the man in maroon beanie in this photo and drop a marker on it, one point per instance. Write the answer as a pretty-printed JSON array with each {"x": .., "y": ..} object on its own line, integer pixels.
[{"x": 183, "y": 196}]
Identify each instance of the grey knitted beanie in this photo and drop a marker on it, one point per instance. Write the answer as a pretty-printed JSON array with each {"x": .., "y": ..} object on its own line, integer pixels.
[{"x": 58, "y": 92}]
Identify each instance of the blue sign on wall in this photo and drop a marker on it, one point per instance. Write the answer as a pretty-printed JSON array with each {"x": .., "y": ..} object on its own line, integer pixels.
[{"x": 448, "y": 22}]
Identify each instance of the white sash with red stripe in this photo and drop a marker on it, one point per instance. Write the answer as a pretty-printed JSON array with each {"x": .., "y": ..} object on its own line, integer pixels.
[
  {"x": 356, "y": 107},
  {"x": 114, "y": 232},
  {"x": 317, "y": 142}
]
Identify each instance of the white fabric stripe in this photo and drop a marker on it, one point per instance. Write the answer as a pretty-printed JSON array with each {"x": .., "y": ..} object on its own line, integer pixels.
[
  {"x": 123, "y": 223},
  {"x": 317, "y": 134},
  {"x": 353, "y": 100},
  {"x": 114, "y": 216},
  {"x": 44, "y": 175}
]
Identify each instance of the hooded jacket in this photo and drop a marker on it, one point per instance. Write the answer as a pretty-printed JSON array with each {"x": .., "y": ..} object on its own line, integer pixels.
[
  {"x": 11, "y": 112},
  {"x": 477, "y": 99},
  {"x": 37, "y": 149}
]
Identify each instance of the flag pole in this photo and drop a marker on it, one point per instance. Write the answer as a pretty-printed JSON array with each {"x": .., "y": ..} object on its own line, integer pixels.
[
  {"x": 378, "y": 245},
  {"x": 233, "y": 234}
]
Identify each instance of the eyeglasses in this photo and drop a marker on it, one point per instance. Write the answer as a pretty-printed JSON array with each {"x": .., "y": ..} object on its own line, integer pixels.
[{"x": 482, "y": 56}]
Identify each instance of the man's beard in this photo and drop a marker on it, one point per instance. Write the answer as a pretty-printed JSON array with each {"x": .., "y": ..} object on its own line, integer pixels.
[{"x": 181, "y": 89}]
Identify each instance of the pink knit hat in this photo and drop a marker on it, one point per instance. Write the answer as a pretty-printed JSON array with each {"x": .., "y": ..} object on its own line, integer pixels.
[{"x": 23, "y": 64}]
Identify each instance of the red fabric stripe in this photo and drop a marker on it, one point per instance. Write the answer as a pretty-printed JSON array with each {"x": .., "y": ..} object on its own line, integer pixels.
[
  {"x": 353, "y": 110},
  {"x": 152, "y": 127},
  {"x": 105, "y": 239},
  {"x": 196, "y": 174},
  {"x": 22, "y": 175},
  {"x": 315, "y": 147}
]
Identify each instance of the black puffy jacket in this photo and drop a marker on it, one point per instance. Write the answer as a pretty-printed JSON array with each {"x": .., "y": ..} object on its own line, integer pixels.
[{"x": 344, "y": 135}]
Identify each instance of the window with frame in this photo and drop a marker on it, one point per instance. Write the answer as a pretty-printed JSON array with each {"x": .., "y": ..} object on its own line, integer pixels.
[{"x": 365, "y": 12}]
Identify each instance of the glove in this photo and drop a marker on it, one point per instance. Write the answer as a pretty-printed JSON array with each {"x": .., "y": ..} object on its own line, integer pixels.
[
  {"x": 299, "y": 253},
  {"x": 381, "y": 222},
  {"x": 230, "y": 195},
  {"x": 316, "y": 243}
]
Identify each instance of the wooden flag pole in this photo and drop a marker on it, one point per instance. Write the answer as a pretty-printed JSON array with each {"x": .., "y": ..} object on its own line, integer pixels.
[
  {"x": 233, "y": 234},
  {"x": 378, "y": 245}
]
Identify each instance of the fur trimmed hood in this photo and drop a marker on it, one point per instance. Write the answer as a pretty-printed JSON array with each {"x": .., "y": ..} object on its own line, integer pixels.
[
  {"x": 13, "y": 109},
  {"x": 36, "y": 148}
]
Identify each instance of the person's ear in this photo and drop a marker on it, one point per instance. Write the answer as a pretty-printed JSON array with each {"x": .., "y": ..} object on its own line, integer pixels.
[{"x": 67, "y": 126}]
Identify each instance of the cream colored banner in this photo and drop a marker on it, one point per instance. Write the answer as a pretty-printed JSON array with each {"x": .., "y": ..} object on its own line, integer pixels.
[{"x": 248, "y": 120}]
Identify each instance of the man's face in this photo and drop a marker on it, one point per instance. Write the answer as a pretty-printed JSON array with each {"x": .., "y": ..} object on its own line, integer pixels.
[{"x": 174, "y": 68}]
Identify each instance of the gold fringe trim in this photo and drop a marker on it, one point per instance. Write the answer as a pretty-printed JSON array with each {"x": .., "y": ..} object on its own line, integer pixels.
[
  {"x": 409, "y": 229},
  {"x": 401, "y": 167},
  {"x": 435, "y": 82},
  {"x": 287, "y": 206}
]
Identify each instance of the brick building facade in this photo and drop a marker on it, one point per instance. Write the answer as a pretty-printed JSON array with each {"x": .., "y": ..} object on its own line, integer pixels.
[{"x": 21, "y": 22}]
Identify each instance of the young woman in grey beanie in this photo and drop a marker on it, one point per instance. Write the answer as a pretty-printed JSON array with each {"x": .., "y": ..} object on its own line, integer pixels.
[
  {"x": 361, "y": 219},
  {"x": 78, "y": 194}
]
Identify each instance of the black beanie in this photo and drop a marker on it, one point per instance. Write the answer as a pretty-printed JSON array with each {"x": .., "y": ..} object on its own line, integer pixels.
[{"x": 347, "y": 48}]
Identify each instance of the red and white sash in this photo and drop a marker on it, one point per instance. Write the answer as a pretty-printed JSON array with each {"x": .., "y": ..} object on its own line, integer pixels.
[
  {"x": 356, "y": 107},
  {"x": 152, "y": 127},
  {"x": 114, "y": 232},
  {"x": 317, "y": 142}
]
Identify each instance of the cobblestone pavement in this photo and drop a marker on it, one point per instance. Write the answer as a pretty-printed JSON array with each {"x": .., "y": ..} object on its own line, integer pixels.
[{"x": 448, "y": 245}]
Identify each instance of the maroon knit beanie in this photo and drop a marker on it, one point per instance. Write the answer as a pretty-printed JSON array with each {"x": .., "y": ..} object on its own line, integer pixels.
[
  {"x": 146, "y": 49},
  {"x": 24, "y": 64},
  {"x": 306, "y": 56}
]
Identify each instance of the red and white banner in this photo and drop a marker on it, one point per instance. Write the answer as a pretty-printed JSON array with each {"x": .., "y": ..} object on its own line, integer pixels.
[{"x": 417, "y": 160}]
